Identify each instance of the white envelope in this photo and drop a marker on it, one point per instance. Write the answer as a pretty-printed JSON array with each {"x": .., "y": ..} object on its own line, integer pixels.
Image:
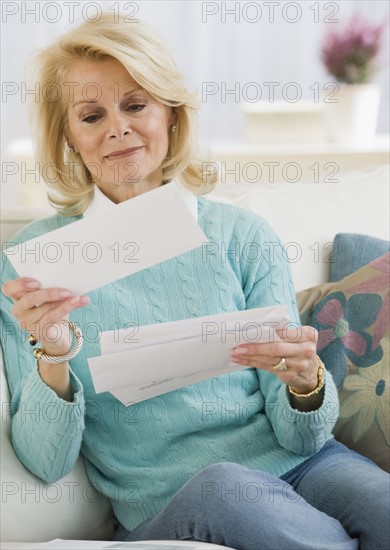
[
  {"x": 133, "y": 337},
  {"x": 123, "y": 239},
  {"x": 169, "y": 356}
]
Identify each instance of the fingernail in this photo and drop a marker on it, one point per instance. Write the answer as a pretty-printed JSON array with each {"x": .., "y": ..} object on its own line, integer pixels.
[
  {"x": 75, "y": 300},
  {"x": 33, "y": 284},
  {"x": 65, "y": 293},
  {"x": 239, "y": 351}
]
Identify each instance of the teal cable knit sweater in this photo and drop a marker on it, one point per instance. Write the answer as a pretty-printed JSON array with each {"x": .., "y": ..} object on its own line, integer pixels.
[{"x": 141, "y": 455}]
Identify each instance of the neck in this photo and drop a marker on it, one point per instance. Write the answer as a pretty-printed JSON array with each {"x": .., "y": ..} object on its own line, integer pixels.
[{"x": 124, "y": 192}]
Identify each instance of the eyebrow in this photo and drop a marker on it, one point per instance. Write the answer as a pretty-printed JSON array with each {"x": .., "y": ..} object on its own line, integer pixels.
[{"x": 93, "y": 101}]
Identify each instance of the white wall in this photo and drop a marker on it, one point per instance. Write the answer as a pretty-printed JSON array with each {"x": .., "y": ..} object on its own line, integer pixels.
[{"x": 241, "y": 43}]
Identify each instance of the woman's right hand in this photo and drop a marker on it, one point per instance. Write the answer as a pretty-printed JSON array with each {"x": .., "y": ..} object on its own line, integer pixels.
[{"x": 42, "y": 312}]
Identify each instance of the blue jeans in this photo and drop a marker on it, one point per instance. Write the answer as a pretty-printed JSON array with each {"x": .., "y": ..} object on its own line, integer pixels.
[{"x": 335, "y": 499}]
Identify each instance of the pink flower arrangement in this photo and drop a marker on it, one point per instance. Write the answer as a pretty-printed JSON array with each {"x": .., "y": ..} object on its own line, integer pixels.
[{"x": 348, "y": 54}]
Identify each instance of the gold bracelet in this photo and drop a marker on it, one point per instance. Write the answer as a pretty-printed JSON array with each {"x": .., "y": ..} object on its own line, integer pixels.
[{"x": 320, "y": 385}]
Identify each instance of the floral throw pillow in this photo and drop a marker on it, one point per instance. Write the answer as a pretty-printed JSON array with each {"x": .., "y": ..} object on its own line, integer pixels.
[{"x": 352, "y": 317}]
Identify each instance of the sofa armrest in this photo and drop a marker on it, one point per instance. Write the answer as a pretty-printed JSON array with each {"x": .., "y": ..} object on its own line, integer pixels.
[{"x": 34, "y": 511}]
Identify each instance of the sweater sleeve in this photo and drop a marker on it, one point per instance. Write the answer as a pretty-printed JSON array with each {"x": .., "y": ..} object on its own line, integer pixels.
[
  {"x": 46, "y": 430},
  {"x": 269, "y": 282}
]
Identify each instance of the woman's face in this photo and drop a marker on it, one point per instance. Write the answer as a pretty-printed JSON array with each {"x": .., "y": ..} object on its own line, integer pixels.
[{"x": 119, "y": 130}]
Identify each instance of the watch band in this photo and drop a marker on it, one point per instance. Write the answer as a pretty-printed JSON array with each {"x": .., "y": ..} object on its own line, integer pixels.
[{"x": 320, "y": 385}]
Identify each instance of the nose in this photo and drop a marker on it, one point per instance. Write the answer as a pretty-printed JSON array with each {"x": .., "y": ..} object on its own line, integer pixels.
[{"x": 119, "y": 126}]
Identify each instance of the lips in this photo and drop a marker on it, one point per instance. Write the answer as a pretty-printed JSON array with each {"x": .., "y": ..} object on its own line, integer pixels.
[{"x": 123, "y": 153}]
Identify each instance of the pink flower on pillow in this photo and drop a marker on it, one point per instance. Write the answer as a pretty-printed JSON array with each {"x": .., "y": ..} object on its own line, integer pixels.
[
  {"x": 377, "y": 284},
  {"x": 341, "y": 325}
]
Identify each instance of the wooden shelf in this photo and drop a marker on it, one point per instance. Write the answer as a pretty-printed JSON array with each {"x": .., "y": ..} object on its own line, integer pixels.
[{"x": 291, "y": 162}]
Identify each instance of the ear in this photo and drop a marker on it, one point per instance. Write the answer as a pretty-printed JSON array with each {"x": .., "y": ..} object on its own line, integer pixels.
[
  {"x": 69, "y": 141},
  {"x": 70, "y": 148},
  {"x": 173, "y": 117},
  {"x": 69, "y": 145}
]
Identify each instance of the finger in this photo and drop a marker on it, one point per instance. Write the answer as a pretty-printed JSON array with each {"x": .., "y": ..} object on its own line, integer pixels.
[
  {"x": 16, "y": 288},
  {"x": 261, "y": 354},
  {"x": 258, "y": 362},
  {"x": 50, "y": 314},
  {"x": 270, "y": 354},
  {"x": 31, "y": 319},
  {"x": 273, "y": 354},
  {"x": 292, "y": 335},
  {"x": 40, "y": 313},
  {"x": 57, "y": 313},
  {"x": 298, "y": 369},
  {"x": 31, "y": 299},
  {"x": 266, "y": 349}
]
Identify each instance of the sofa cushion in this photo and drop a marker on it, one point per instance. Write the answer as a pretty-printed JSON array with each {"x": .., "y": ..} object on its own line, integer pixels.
[
  {"x": 352, "y": 319},
  {"x": 34, "y": 511},
  {"x": 351, "y": 251},
  {"x": 307, "y": 216}
]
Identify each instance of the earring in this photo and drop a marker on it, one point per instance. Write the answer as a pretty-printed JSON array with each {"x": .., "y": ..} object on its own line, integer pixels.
[
  {"x": 69, "y": 148},
  {"x": 173, "y": 128}
]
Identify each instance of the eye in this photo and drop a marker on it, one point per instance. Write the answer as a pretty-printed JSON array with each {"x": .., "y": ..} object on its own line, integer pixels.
[
  {"x": 135, "y": 107},
  {"x": 90, "y": 119}
]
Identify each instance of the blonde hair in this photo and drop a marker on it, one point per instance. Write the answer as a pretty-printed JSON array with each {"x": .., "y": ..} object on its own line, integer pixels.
[{"x": 150, "y": 64}]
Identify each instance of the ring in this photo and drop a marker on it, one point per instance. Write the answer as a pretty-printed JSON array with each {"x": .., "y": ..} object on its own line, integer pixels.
[{"x": 281, "y": 365}]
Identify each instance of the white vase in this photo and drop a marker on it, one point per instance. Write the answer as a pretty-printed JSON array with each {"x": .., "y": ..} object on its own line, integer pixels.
[{"x": 353, "y": 116}]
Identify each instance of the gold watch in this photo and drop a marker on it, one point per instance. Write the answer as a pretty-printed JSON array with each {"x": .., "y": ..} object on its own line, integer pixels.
[{"x": 320, "y": 385}]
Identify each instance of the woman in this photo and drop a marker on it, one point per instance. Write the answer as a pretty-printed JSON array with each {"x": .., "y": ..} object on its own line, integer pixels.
[{"x": 122, "y": 125}]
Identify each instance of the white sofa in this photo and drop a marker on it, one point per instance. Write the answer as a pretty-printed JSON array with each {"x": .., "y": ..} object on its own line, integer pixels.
[{"x": 307, "y": 217}]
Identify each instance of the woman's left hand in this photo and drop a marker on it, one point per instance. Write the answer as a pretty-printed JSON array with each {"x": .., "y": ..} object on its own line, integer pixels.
[{"x": 298, "y": 346}]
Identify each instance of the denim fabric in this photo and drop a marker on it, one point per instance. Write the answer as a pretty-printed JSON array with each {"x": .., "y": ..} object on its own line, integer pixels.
[{"x": 335, "y": 499}]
